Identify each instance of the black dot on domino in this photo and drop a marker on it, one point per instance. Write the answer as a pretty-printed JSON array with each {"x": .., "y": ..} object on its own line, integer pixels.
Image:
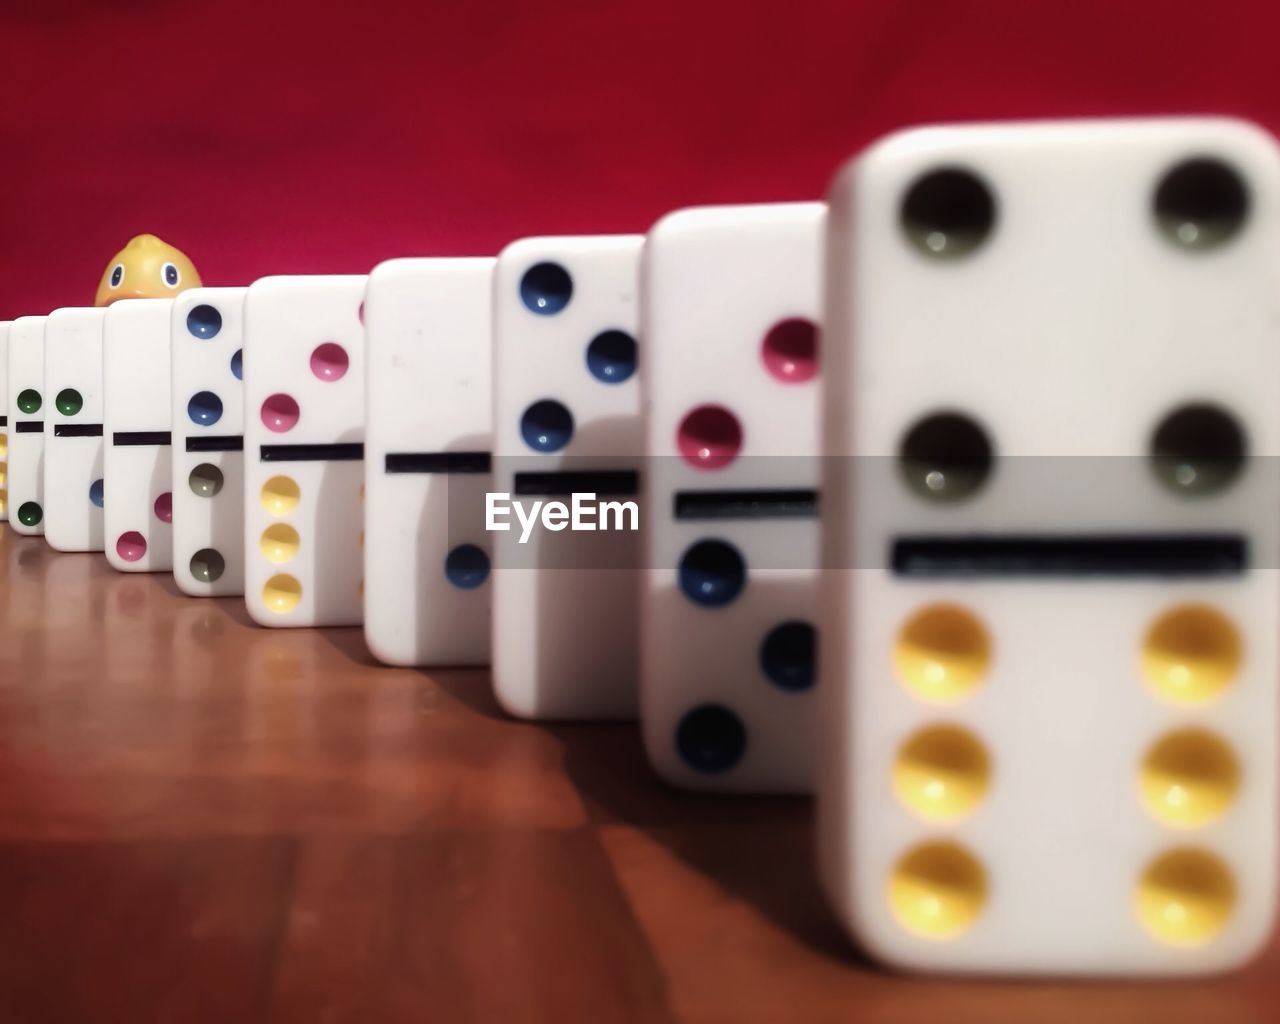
[
  {"x": 948, "y": 213},
  {"x": 466, "y": 566},
  {"x": 945, "y": 457},
  {"x": 207, "y": 565},
  {"x": 1201, "y": 203},
  {"x": 546, "y": 425},
  {"x": 611, "y": 356},
  {"x": 546, "y": 289},
  {"x": 204, "y": 408},
  {"x": 204, "y": 322},
  {"x": 711, "y": 739},
  {"x": 787, "y": 655},
  {"x": 205, "y": 480},
  {"x": 1198, "y": 449},
  {"x": 712, "y": 573}
]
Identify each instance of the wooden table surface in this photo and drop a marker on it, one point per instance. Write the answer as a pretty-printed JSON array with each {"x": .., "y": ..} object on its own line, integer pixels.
[{"x": 205, "y": 821}]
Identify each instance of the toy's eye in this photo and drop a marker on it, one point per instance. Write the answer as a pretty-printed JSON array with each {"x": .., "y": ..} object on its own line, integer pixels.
[
  {"x": 117, "y": 275},
  {"x": 170, "y": 274}
]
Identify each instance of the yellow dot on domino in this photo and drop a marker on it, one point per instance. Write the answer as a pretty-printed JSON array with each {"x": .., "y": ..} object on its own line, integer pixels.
[
  {"x": 282, "y": 593},
  {"x": 942, "y": 772},
  {"x": 937, "y": 890},
  {"x": 280, "y": 495},
  {"x": 279, "y": 543},
  {"x": 1185, "y": 897},
  {"x": 1189, "y": 777},
  {"x": 943, "y": 653},
  {"x": 1191, "y": 654}
]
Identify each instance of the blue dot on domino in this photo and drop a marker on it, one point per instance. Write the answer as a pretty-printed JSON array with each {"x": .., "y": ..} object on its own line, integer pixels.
[
  {"x": 204, "y": 408},
  {"x": 711, "y": 739},
  {"x": 611, "y": 356},
  {"x": 95, "y": 493},
  {"x": 712, "y": 573},
  {"x": 237, "y": 364},
  {"x": 546, "y": 288},
  {"x": 787, "y": 655},
  {"x": 204, "y": 322},
  {"x": 466, "y": 566},
  {"x": 546, "y": 426}
]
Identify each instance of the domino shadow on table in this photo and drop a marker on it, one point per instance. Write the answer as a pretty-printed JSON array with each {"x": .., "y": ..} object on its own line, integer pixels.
[{"x": 761, "y": 850}]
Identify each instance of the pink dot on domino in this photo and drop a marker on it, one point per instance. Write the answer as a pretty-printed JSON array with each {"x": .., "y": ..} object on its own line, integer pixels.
[
  {"x": 280, "y": 413},
  {"x": 164, "y": 507},
  {"x": 329, "y": 361},
  {"x": 131, "y": 546},
  {"x": 790, "y": 350},
  {"x": 709, "y": 437}
]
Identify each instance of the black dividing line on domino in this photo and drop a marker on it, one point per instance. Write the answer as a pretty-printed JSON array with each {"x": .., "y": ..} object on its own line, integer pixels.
[
  {"x": 764, "y": 503},
  {"x": 77, "y": 430},
  {"x": 438, "y": 462},
  {"x": 141, "y": 438},
  {"x": 4, "y": 421},
  {"x": 216, "y": 443},
  {"x": 311, "y": 452},
  {"x": 29, "y": 427},
  {"x": 1140, "y": 555},
  {"x": 606, "y": 482}
]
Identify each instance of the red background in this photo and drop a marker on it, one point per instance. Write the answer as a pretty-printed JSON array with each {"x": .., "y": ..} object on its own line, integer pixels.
[{"x": 267, "y": 137}]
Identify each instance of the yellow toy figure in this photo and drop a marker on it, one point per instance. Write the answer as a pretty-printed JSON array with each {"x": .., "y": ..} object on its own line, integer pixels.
[{"x": 146, "y": 268}]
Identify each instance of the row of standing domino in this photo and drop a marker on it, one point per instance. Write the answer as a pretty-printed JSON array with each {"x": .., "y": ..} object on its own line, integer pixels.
[{"x": 1046, "y": 742}]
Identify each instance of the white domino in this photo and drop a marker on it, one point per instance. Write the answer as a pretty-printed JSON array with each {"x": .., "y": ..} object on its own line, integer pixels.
[
  {"x": 137, "y": 466},
  {"x": 73, "y": 444},
  {"x": 729, "y": 601},
  {"x": 566, "y": 401},
  {"x": 1049, "y": 661},
  {"x": 303, "y": 444},
  {"x": 4, "y": 420},
  {"x": 27, "y": 411},
  {"x": 206, "y": 336},
  {"x": 429, "y": 433}
]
